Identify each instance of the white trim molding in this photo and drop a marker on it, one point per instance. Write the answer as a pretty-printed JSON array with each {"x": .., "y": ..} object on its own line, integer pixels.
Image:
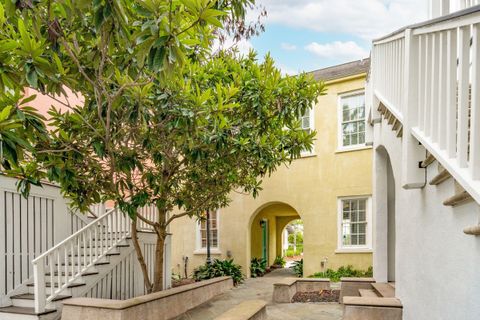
[
  {"x": 311, "y": 127},
  {"x": 198, "y": 237},
  {"x": 367, "y": 248},
  {"x": 340, "y": 146}
]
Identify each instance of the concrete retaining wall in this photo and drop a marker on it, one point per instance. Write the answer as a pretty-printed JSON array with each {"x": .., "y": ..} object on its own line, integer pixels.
[
  {"x": 350, "y": 286},
  {"x": 283, "y": 292},
  {"x": 162, "y": 305}
]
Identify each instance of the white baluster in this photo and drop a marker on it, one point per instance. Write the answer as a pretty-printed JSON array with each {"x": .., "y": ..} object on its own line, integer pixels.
[
  {"x": 463, "y": 96},
  {"x": 428, "y": 85},
  {"x": 451, "y": 96},
  {"x": 475, "y": 118},
  {"x": 442, "y": 92}
]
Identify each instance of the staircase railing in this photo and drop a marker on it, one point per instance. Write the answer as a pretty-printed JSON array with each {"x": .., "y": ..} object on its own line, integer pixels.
[
  {"x": 64, "y": 263},
  {"x": 428, "y": 77}
]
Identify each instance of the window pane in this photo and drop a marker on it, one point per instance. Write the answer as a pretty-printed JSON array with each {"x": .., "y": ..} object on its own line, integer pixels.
[
  {"x": 354, "y": 225},
  {"x": 354, "y": 239},
  {"x": 362, "y": 228},
  {"x": 361, "y": 216},
  {"x": 353, "y": 120},
  {"x": 362, "y": 240},
  {"x": 361, "y": 138}
]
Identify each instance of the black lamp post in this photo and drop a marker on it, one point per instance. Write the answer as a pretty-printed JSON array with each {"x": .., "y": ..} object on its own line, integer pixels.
[{"x": 209, "y": 259}]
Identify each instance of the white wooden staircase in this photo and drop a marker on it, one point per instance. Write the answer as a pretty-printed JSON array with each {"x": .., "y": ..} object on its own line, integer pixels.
[
  {"x": 72, "y": 267},
  {"x": 425, "y": 84}
]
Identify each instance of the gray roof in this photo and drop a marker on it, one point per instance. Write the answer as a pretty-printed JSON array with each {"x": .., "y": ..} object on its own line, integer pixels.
[{"x": 342, "y": 70}]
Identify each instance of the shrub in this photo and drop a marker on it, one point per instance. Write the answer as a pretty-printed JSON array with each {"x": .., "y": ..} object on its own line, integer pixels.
[
  {"x": 343, "y": 272},
  {"x": 298, "y": 268},
  {"x": 219, "y": 268},
  {"x": 291, "y": 253},
  {"x": 258, "y": 267},
  {"x": 279, "y": 261}
]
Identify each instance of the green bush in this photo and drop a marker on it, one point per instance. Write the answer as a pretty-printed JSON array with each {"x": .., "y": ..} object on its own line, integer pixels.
[
  {"x": 291, "y": 238},
  {"x": 279, "y": 261},
  {"x": 219, "y": 268},
  {"x": 291, "y": 253},
  {"x": 258, "y": 267},
  {"x": 344, "y": 272},
  {"x": 298, "y": 268}
]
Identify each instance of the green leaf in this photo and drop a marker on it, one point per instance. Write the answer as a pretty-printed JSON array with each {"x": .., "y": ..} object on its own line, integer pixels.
[
  {"x": 32, "y": 77},
  {"x": 24, "y": 35},
  {"x": 2, "y": 15},
  {"x": 5, "y": 113}
]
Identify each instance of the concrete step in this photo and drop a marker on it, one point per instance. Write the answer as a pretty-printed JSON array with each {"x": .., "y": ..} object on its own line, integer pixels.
[
  {"x": 372, "y": 308},
  {"x": 384, "y": 290},
  {"x": 367, "y": 293}
]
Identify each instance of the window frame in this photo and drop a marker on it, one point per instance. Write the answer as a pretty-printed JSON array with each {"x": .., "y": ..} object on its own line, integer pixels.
[
  {"x": 198, "y": 237},
  {"x": 340, "y": 146},
  {"x": 341, "y": 248},
  {"x": 306, "y": 153}
]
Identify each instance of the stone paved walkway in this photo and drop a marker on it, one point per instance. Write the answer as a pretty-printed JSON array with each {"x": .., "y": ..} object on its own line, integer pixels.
[{"x": 262, "y": 288}]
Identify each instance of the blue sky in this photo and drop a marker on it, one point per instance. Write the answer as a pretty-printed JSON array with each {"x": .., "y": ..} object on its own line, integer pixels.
[{"x": 304, "y": 35}]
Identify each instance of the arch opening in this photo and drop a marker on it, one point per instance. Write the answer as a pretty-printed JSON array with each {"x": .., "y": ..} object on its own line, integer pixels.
[{"x": 267, "y": 236}]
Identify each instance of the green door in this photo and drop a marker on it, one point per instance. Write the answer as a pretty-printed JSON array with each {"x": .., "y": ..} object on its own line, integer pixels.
[{"x": 265, "y": 240}]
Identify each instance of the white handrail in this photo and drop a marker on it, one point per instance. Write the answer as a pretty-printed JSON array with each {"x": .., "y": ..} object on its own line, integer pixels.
[
  {"x": 66, "y": 261},
  {"x": 428, "y": 76}
]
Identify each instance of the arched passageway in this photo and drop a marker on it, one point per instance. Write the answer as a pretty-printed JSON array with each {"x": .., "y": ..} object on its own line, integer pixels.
[
  {"x": 385, "y": 216},
  {"x": 267, "y": 229}
]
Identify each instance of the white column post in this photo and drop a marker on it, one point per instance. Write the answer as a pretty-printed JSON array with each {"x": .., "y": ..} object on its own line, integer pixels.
[
  {"x": 39, "y": 288},
  {"x": 412, "y": 153}
]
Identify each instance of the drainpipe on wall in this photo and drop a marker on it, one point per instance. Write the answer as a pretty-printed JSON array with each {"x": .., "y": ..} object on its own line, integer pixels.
[{"x": 209, "y": 259}]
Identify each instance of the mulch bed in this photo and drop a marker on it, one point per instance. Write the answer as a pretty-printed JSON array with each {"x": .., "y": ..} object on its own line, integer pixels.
[{"x": 317, "y": 296}]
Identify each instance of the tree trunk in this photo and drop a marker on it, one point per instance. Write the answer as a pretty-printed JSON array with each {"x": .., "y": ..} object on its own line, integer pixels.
[
  {"x": 159, "y": 250},
  {"x": 140, "y": 258}
]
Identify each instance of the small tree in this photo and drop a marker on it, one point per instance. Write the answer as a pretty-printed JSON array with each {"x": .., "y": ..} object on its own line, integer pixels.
[
  {"x": 162, "y": 123},
  {"x": 184, "y": 146}
]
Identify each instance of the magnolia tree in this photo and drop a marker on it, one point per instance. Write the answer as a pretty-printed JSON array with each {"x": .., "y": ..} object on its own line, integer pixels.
[{"x": 162, "y": 121}]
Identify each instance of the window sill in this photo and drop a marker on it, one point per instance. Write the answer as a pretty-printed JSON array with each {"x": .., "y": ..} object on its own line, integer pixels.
[
  {"x": 357, "y": 148},
  {"x": 307, "y": 155},
  {"x": 204, "y": 251},
  {"x": 354, "y": 250}
]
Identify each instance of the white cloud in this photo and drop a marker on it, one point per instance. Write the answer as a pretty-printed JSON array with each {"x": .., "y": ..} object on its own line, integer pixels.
[
  {"x": 243, "y": 45},
  {"x": 366, "y": 19},
  {"x": 288, "y": 46},
  {"x": 287, "y": 70},
  {"x": 348, "y": 50}
]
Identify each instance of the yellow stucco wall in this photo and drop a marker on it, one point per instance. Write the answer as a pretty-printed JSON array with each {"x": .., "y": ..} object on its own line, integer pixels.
[{"x": 310, "y": 186}]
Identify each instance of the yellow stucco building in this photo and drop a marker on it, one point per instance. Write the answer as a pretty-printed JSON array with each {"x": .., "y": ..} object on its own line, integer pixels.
[{"x": 329, "y": 189}]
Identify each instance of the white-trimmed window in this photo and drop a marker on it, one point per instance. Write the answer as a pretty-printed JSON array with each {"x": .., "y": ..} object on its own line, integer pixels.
[
  {"x": 202, "y": 233},
  {"x": 352, "y": 121},
  {"x": 354, "y": 223},
  {"x": 307, "y": 123}
]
